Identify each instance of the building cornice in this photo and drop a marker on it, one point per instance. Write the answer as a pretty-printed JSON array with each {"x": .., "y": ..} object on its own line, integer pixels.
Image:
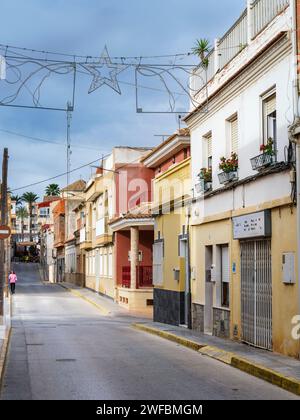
[{"x": 166, "y": 150}]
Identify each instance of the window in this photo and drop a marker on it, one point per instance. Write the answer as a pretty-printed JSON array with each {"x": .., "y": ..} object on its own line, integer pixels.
[
  {"x": 234, "y": 135},
  {"x": 225, "y": 276},
  {"x": 207, "y": 161},
  {"x": 105, "y": 263},
  {"x": 110, "y": 264},
  {"x": 269, "y": 119},
  {"x": 158, "y": 258}
]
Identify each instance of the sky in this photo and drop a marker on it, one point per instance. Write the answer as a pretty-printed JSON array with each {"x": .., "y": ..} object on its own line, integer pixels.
[{"x": 104, "y": 118}]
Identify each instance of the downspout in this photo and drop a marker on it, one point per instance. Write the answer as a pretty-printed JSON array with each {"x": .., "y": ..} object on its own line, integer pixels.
[
  {"x": 190, "y": 326},
  {"x": 296, "y": 128}
]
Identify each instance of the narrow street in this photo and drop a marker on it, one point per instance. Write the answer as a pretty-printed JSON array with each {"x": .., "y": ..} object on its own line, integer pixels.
[{"x": 63, "y": 348}]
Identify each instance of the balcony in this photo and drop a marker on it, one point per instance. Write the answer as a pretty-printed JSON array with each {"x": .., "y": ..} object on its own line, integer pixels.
[
  {"x": 85, "y": 239},
  {"x": 262, "y": 161},
  {"x": 203, "y": 186},
  {"x": 227, "y": 177},
  {"x": 247, "y": 28}
]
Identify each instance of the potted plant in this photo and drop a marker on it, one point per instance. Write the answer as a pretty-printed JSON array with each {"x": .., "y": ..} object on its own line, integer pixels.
[
  {"x": 205, "y": 177},
  {"x": 266, "y": 157},
  {"x": 229, "y": 169}
]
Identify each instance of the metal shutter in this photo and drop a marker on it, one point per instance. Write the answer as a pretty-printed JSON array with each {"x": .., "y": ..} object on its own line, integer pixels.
[
  {"x": 225, "y": 264},
  {"x": 270, "y": 105},
  {"x": 209, "y": 146},
  {"x": 158, "y": 255},
  {"x": 234, "y": 136}
]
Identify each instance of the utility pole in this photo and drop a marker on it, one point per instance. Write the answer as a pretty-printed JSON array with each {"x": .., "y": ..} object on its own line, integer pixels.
[
  {"x": 4, "y": 221},
  {"x": 69, "y": 152}
]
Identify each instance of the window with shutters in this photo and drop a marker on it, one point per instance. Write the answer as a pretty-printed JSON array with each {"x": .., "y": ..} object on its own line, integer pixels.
[
  {"x": 234, "y": 135},
  {"x": 269, "y": 119},
  {"x": 158, "y": 258},
  {"x": 207, "y": 155},
  {"x": 225, "y": 275}
]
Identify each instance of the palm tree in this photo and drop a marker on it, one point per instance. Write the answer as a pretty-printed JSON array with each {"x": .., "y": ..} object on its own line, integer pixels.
[
  {"x": 18, "y": 200},
  {"x": 22, "y": 214},
  {"x": 52, "y": 190},
  {"x": 30, "y": 198},
  {"x": 202, "y": 49}
]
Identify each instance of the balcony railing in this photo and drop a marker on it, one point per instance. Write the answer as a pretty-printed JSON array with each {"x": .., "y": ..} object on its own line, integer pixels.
[
  {"x": 264, "y": 11},
  {"x": 144, "y": 277},
  {"x": 203, "y": 186},
  {"x": 236, "y": 38},
  {"x": 226, "y": 177},
  {"x": 262, "y": 161}
]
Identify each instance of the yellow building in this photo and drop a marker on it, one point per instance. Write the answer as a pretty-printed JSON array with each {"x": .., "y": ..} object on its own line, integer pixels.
[{"x": 171, "y": 191}]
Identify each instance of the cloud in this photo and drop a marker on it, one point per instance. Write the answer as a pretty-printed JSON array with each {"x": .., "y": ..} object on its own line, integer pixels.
[{"x": 103, "y": 119}]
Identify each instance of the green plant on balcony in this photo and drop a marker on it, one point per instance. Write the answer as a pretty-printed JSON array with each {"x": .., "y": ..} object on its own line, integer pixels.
[
  {"x": 268, "y": 148},
  {"x": 206, "y": 174},
  {"x": 202, "y": 49},
  {"x": 229, "y": 165}
]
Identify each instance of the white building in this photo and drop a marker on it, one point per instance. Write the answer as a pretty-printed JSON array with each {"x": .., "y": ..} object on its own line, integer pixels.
[{"x": 243, "y": 220}]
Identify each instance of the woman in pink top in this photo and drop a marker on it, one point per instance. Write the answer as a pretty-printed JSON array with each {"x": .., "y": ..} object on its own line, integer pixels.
[{"x": 12, "y": 281}]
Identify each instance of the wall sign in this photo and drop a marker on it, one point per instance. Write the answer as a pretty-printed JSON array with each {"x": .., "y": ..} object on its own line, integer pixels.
[{"x": 252, "y": 225}]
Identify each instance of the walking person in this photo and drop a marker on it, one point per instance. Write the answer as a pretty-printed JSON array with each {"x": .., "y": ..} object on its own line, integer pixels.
[{"x": 12, "y": 281}]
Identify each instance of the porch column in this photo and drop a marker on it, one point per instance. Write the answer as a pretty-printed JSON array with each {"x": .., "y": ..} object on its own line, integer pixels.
[{"x": 134, "y": 255}]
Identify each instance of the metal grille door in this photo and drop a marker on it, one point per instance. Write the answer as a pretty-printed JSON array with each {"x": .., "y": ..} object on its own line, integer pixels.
[{"x": 256, "y": 293}]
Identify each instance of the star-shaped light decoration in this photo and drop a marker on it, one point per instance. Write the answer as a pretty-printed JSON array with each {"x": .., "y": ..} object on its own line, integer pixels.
[{"x": 98, "y": 79}]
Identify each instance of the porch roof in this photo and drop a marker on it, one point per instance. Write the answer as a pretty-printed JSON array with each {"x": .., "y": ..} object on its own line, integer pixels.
[{"x": 144, "y": 221}]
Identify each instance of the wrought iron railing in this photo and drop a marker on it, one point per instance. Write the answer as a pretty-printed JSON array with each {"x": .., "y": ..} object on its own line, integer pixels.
[
  {"x": 262, "y": 161},
  {"x": 144, "y": 275}
]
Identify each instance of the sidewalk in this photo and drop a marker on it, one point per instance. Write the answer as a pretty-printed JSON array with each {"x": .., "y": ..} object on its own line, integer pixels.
[
  {"x": 5, "y": 330},
  {"x": 271, "y": 367},
  {"x": 104, "y": 304}
]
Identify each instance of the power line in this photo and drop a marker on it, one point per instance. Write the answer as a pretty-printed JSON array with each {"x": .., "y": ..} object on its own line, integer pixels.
[
  {"x": 77, "y": 169},
  {"x": 13, "y": 133},
  {"x": 56, "y": 176}
]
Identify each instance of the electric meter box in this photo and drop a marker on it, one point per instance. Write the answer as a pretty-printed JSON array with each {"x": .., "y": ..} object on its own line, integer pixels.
[{"x": 288, "y": 268}]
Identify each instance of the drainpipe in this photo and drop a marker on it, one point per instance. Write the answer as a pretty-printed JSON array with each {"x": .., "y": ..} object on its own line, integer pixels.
[{"x": 296, "y": 127}]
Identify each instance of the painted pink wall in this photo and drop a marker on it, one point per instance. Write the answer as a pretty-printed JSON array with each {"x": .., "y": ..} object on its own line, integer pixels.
[
  {"x": 133, "y": 186},
  {"x": 122, "y": 247},
  {"x": 178, "y": 157}
]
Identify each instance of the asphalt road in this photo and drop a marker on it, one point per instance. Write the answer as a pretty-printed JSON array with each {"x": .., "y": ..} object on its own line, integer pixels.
[{"x": 62, "y": 348}]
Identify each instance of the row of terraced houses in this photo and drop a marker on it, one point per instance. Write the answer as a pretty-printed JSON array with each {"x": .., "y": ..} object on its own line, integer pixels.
[{"x": 201, "y": 231}]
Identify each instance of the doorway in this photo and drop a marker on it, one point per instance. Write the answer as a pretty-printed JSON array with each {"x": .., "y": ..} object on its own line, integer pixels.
[{"x": 256, "y": 293}]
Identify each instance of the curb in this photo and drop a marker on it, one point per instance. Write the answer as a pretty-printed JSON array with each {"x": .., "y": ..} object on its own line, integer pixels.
[
  {"x": 103, "y": 311},
  {"x": 275, "y": 378},
  {"x": 3, "y": 355},
  {"x": 169, "y": 336}
]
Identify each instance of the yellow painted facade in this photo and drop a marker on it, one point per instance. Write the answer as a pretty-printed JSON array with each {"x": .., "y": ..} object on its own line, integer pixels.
[
  {"x": 171, "y": 188},
  {"x": 218, "y": 230}
]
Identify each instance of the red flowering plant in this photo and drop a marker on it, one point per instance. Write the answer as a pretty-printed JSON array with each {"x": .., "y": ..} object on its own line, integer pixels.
[
  {"x": 229, "y": 165},
  {"x": 206, "y": 174},
  {"x": 268, "y": 148}
]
